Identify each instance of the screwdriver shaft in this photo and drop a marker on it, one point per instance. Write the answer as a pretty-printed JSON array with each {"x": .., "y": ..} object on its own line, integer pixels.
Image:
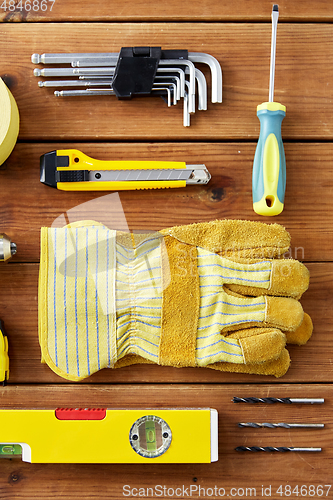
[{"x": 275, "y": 16}]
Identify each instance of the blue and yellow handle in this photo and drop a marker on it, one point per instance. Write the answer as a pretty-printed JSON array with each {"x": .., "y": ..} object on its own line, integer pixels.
[{"x": 269, "y": 167}]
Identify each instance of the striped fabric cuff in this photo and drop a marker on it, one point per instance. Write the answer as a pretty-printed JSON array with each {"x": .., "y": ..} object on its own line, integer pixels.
[{"x": 77, "y": 314}]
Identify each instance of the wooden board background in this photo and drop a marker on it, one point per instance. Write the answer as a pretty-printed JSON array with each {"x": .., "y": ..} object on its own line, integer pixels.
[{"x": 224, "y": 138}]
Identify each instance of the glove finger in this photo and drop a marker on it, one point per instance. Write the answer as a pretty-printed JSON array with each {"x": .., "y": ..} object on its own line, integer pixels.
[
  {"x": 288, "y": 278},
  {"x": 277, "y": 367},
  {"x": 280, "y": 277},
  {"x": 302, "y": 334},
  {"x": 260, "y": 345},
  {"x": 244, "y": 239},
  {"x": 230, "y": 312},
  {"x": 283, "y": 313}
]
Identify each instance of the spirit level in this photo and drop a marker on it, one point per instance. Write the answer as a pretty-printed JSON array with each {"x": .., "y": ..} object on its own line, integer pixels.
[
  {"x": 71, "y": 170},
  {"x": 110, "y": 436}
]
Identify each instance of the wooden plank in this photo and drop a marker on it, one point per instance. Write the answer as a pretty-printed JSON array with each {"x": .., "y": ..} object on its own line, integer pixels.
[
  {"x": 26, "y": 204},
  {"x": 302, "y": 82},
  {"x": 233, "y": 469},
  {"x": 18, "y": 299},
  {"x": 195, "y": 10}
]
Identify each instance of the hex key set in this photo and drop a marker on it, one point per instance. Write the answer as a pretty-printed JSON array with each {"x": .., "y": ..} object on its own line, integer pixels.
[{"x": 134, "y": 71}]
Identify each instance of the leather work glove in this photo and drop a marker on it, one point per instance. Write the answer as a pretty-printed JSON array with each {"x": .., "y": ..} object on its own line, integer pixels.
[{"x": 217, "y": 295}]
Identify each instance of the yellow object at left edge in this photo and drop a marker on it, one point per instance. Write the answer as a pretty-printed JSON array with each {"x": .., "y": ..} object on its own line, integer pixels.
[
  {"x": 9, "y": 122},
  {"x": 4, "y": 359}
]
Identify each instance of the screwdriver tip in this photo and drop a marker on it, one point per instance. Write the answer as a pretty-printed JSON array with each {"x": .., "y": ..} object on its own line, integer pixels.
[
  {"x": 275, "y": 8},
  {"x": 37, "y": 72}
]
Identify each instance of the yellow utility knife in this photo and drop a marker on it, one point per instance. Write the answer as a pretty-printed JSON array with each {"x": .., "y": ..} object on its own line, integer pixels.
[{"x": 72, "y": 170}]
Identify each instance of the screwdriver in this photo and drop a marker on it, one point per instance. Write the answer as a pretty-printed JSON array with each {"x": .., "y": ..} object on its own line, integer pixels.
[{"x": 269, "y": 166}]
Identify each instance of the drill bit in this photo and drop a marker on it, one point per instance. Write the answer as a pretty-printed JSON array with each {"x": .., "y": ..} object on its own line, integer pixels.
[
  {"x": 279, "y": 400},
  {"x": 283, "y": 425},
  {"x": 282, "y": 449}
]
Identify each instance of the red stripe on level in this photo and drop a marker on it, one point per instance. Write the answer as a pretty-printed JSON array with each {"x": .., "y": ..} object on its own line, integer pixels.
[{"x": 80, "y": 413}]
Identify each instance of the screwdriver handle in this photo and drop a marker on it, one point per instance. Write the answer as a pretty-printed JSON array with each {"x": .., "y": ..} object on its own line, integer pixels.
[{"x": 269, "y": 167}]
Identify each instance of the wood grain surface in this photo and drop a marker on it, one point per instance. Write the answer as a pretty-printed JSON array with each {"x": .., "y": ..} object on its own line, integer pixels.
[
  {"x": 228, "y": 194},
  {"x": 156, "y": 10},
  {"x": 224, "y": 138}
]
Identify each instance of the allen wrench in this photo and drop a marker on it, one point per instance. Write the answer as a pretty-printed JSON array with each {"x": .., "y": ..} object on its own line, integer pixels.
[
  {"x": 172, "y": 74},
  {"x": 216, "y": 72}
]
